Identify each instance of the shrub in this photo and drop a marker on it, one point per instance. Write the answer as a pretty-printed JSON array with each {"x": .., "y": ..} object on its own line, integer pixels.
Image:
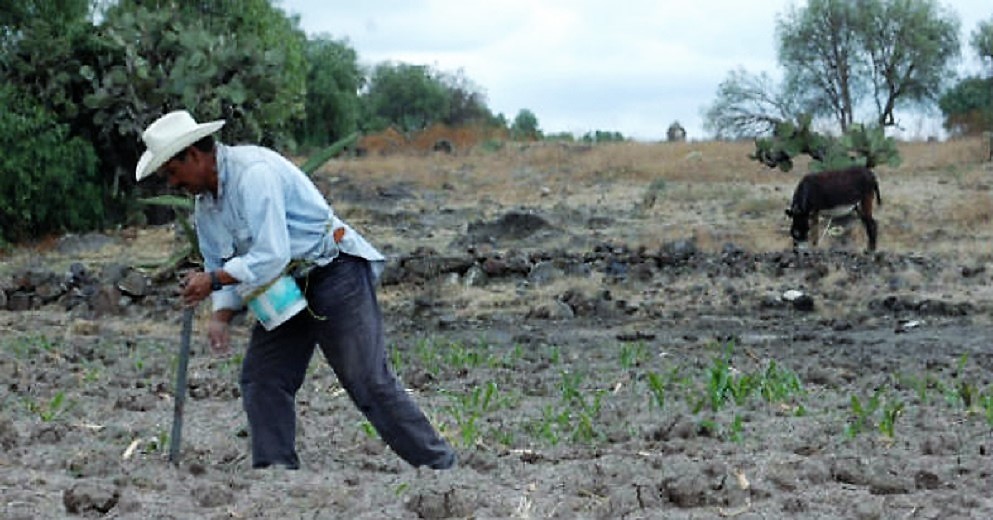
[{"x": 48, "y": 181}]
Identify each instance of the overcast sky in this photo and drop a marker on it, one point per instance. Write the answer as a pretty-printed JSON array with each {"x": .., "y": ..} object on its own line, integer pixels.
[{"x": 631, "y": 66}]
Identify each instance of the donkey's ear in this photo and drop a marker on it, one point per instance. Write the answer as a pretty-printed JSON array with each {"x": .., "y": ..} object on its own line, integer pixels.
[{"x": 789, "y": 212}]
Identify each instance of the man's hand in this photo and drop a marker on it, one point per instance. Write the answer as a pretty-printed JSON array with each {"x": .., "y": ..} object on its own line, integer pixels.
[
  {"x": 196, "y": 287},
  {"x": 218, "y": 332}
]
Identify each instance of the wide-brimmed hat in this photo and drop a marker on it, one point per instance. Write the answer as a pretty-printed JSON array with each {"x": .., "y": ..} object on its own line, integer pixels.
[{"x": 169, "y": 135}]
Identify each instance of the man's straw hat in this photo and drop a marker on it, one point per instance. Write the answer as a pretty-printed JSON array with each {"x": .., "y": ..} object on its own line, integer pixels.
[{"x": 169, "y": 135}]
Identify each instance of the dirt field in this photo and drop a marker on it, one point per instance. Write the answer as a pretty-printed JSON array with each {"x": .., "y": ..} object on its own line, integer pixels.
[{"x": 619, "y": 331}]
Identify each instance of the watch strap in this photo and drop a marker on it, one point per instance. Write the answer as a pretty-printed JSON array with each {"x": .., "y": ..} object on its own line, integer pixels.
[{"x": 215, "y": 282}]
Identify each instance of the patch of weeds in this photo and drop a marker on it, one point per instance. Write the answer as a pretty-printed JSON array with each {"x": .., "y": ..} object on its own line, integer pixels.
[{"x": 24, "y": 346}]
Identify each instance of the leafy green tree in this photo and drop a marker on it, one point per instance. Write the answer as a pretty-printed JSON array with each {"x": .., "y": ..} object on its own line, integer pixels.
[
  {"x": 911, "y": 46},
  {"x": 48, "y": 178},
  {"x": 968, "y": 106},
  {"x": 241, "y": 60},
  {"x": 841, "y": 53},
  {"x": 411, "y": 97},
  {"x": 818, "y": 48},
  {"x": 982, "y": 43},
  {"x": 466, "y": 102},
  {"x": 333, "y": 82},
  {"x": 525, "y": 126}
]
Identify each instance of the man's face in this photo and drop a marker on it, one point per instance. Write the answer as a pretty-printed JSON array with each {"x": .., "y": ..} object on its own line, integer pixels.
[{"x": 186, "y": 174}]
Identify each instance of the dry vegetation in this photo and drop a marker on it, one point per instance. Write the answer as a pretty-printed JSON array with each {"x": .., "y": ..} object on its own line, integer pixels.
[{"x": 937, "y": 200}]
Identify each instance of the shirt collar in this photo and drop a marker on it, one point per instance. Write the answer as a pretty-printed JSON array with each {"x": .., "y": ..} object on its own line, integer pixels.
[{"x": 221, "y": 156}]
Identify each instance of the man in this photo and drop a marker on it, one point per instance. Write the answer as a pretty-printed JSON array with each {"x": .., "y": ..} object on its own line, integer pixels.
[{"x": 255, "y": 213}]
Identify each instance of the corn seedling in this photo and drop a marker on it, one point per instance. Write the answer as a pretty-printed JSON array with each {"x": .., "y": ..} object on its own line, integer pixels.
[
  {"x": 396, "y": 360},
  {"x": 891, "y": 411},
  {"x": 633, "y": 354},
  {"x": 718, "y": 383},
  {"x": 862, "y": 413},
  {"x": 466, "y": 409},
  {"x": 737, "y": 429},
  {"x": 986, "y": 402},
  {"x": 779, "y": 385},
  {"x": 657, "y": 387},
  {"x": 51, "y": 410},
  {"x": 368, "y": 429},
  {"x": 569, "y": 386}
]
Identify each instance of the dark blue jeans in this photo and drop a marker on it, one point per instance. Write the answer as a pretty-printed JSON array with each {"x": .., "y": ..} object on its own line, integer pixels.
[{"x": 352, "y": 340}]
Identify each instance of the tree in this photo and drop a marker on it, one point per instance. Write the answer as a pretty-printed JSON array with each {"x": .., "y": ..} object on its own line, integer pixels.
[
  {"x": 910, "y": 46},
  {"x": 838, "y": 53},
  {"x": 333, "y": 82},
  {"x": 466, "y": 101},
  {"x": 818, "y": 49},
  {"x": 48, "y": 179},
  {"x": 240, "y": 60},
  {"x": 525, "y": 126},
  {"x": 412, "y": 97},
  {"x": 982, "y": 43},
  {"x": 748, "y": 106},
  {"x": 968, "y": 106}
]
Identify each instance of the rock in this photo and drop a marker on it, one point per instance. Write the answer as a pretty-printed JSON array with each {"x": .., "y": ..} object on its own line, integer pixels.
[
  {"x": 133, "y": 283},
  {"x": 88, "y": 497},
  {"x": 474, "y": 277},
  {"x": 543, "y": 273}
]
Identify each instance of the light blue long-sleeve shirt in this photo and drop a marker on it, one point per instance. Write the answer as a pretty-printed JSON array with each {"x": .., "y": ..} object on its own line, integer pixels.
[{"x": 267, "y": 212}]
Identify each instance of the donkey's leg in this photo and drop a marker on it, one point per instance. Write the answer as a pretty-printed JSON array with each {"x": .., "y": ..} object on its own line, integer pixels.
[
  {"x": 813, "y": 235},
  {"x": 870, "y": 231},
  {"x": 864, "y": 210}
]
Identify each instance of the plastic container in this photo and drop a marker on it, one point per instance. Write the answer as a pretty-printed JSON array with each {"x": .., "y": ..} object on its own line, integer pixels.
[{"x": 280, "y": 301}]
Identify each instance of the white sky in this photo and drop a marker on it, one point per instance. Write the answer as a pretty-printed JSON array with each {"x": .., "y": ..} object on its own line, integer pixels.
[{"x": 631, "y": 66}]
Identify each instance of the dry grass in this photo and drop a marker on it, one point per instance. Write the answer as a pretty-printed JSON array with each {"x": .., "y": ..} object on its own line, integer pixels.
[{"x": 937, "y": 201}]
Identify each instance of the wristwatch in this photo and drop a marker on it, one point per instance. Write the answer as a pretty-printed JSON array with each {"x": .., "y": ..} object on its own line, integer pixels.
[{"x": 215, "y": 282}]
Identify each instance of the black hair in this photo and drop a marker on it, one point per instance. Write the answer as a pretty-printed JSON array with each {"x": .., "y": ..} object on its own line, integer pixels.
[{"x": 204, "y": 144}]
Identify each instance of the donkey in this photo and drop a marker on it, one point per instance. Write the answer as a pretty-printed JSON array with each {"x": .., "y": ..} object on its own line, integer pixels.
[{"x": 836, "y": 192}]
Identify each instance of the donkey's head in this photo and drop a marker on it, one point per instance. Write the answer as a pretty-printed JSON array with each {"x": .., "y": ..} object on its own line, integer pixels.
[{"x": 800, "y": 228}]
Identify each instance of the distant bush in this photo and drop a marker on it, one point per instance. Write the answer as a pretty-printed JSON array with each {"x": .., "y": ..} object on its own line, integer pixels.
[
  {"x": 602, "y": 136},
  {"x": 48, "y": 181}
]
